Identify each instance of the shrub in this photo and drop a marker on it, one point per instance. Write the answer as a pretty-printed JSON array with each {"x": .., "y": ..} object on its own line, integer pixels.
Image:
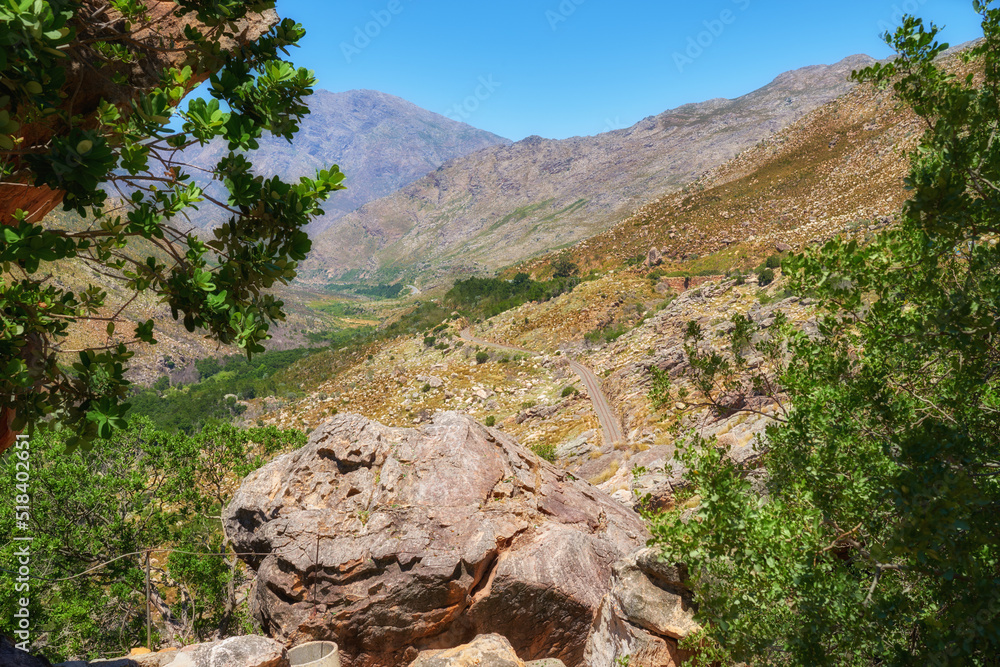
[
  {"x": 765, "y": 277},
  {"x": 773, "y": 262},
  {"x": 482, "y": 357},
  {"x": 547, "y": 452},
  {"x": 162, "y": 384},
  {"x": 570, "y": 391},
  {"x": 491, "y": 421},
  {"x": 659, "y": 390},
  {"x": 426, "y": 388},
  {"x": 429, "y": 341}
]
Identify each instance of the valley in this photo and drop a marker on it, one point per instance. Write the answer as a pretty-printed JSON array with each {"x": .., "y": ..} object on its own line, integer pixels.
[{"x": 706, "y": 390}]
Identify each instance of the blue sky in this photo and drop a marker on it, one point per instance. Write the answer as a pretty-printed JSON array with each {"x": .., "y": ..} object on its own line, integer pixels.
[{"x": 560, "y": 68}]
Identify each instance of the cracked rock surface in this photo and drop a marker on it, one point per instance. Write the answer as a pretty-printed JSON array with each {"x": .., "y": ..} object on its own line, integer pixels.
[{"x": 390, "y": 541}]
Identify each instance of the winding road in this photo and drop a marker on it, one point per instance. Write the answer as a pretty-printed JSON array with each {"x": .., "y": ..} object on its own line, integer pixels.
[{"x": 609, "y": 423}]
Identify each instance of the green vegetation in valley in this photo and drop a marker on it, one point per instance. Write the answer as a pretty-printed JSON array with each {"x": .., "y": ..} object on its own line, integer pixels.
[
  {"x": 382, "y": 291},
  {"x": 191, "y": 407},
  {"x": 487, "y": 297}
]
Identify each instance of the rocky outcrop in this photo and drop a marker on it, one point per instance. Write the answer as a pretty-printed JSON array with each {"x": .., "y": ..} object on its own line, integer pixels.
[
  {"x": 390, "y": 541},
  {"x": 646, "y": 613}
]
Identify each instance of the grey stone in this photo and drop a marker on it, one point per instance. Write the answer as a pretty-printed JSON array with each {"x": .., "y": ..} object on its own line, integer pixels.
[
  {"x": 246, "y": 651},
  {"x": 644, "y": 615}
]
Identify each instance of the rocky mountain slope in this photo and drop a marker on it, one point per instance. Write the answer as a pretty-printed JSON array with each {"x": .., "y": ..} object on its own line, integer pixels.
[
  {"x": 381, "y": 143},
  {"x": 838, "y": 171},
  {"x": 506, "y": 203}
]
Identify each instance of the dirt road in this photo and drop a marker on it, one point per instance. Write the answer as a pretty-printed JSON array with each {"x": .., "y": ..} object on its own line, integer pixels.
[{"x": 609, "y": 423}]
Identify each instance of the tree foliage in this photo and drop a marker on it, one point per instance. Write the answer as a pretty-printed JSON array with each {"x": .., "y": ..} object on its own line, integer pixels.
[
  {"x": 127, "y": 147},
  {"x": 147, "y": 489},
  {"x": 878, "y": 539}
]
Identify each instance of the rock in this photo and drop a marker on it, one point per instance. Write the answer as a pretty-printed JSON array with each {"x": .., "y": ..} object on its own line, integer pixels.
[
  {"x": 656, "y": 489},
  {"x": 664, "y": 288},
  {"x": 654, "y": 257},
  {"x": 581, "y": 445},
  {"x": 644, "y": 615},
  {"x": 247, "y": 651},
  {"x": 11, "y": 656},
  {"x": 782, "y": 247},
  {"x": 433, "y": 381},
  {"x": 538, "y": 412},
  {"x": 485, "y": 651},
  {"x": 391, "y": 541}
]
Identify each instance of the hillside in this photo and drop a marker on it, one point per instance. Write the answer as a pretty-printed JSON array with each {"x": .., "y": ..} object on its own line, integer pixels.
[
  {"x": 507, "y": 203},
  {"x": 837, "y": 171},
  {"x": 381, "y": 143}
]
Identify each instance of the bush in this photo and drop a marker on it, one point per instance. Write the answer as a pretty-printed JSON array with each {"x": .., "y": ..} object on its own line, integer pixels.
[
  {"x": 765, "y": 277},
  {"x": 491, "y": 421},
  {"x": 547, "y": 452},
  {"x": 426, "y": 388},
  {"x": 482, "y": 357},
  {"x": 563, "y": 267},
  {"x": 659, "y": 390},
  {"x": 773, "y": 262},
  {"x": 162, "y": 384},
  {"x": 146, "y": 489},
  {"x": 570, "y": 391},
  {"x": 429, "y": 341}
]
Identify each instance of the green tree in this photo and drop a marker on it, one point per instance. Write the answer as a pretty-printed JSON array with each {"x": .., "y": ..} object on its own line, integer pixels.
[
  {"x": 878, "y": 540},
  {"x": 79, "y": 118},
  {"x": 564, "y": 267},
  {"x": 146, "y": 489}
]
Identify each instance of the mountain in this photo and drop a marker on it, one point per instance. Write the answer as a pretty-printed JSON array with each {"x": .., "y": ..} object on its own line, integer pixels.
[
  {"x": 380, "y": 142},
  {"x": 510, "y": 202}
]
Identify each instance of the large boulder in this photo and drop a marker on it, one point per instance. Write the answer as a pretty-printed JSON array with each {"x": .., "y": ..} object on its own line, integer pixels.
[
  {"x": 391, "y": 541},
  {"x": 647, "y": 611}
]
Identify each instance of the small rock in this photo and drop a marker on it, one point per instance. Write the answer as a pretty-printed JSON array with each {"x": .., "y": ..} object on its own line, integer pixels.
[
  {"x": 247, "y": 651},
  {"x": 433, "y": 381},
  {"x": 782, "y": 247}
]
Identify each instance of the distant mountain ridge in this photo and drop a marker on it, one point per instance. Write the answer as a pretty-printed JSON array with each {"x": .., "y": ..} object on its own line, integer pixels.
[
  {"x": 506, "y": 203},
  {"x": 381, "y": 143}
]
